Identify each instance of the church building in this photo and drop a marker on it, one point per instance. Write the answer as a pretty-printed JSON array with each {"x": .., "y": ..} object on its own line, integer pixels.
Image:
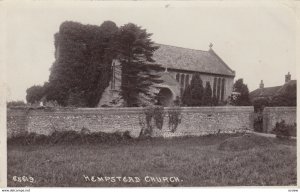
[{"x": 178, "y": 65}]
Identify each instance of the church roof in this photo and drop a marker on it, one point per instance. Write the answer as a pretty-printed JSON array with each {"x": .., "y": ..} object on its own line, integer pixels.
[{"x": 190, "y": 59}]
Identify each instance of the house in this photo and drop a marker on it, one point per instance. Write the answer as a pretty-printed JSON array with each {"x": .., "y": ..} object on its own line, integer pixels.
[
  {"x": 177, "y": 68},
  {"x": 269, "y": 93}
]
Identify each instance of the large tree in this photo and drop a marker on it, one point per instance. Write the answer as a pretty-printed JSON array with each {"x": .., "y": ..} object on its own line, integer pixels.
[
  {"x": 135, "y": 49},
  {"x": 82, "y": 68},
  {"x": 243, "y": 98}
]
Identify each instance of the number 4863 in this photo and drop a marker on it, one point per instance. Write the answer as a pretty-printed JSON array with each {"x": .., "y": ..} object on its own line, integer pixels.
[{"x": 23, "y": 179}]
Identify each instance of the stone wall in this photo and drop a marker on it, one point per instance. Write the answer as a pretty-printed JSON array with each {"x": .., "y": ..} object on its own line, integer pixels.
[
  {"x": 272, "y": 115},
  {"x": 194, "y": 120}
]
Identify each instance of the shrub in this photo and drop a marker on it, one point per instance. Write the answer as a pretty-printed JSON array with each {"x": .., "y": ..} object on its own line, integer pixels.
[
  {"x": 283, "y": 130},
  {"x": 71, "y": 137},
  {"x": 260, "y": 103},
  {"x": 15, "y": 104}
]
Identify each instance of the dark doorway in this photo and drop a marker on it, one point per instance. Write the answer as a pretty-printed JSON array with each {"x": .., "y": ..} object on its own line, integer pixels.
[{"x": 165, "y": 97}]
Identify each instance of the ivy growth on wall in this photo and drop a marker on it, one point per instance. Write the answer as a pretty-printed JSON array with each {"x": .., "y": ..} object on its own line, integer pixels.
[
  {"x": 174, "y": 118},
  {"x": 153, "y": 118}
]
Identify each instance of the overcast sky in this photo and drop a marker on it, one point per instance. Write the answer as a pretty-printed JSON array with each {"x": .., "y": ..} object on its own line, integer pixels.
[{"x": 258, "y": 40}]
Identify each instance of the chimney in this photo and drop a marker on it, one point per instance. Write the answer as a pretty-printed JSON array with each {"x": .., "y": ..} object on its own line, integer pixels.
[
  {"x": 261, "y": 85},
  {"x": 287, "y": 77}
]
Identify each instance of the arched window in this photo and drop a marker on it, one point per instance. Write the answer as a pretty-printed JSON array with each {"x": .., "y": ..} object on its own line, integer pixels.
[
  {"x": 177, "y": 77},
  {"x": 219, "y": 88},
  {"x": 187, "y": 79},
  {"x": 182, "y": 80},
  {"x": 215, "y": 87},
  {"x": 223, "y": 89}
]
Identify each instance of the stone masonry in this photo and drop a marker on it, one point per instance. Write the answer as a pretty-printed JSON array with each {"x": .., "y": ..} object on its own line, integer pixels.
[
  {"x": 195, "y": 121},
  {"x": 272, "y": 115}
]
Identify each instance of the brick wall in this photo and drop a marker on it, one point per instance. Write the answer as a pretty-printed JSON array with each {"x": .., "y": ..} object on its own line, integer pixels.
[
  {"x": 272, "y": 115},
  {"x": 194, "y": 120}
]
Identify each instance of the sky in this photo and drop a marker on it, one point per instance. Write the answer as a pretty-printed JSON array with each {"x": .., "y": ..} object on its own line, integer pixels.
[{"x": 257, "y": 40}]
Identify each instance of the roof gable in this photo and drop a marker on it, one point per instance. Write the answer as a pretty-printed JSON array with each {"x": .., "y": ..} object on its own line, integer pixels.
[{"x": 190, "y": 59}]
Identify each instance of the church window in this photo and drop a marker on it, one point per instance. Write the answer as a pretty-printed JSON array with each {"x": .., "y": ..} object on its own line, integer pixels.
[
  {"x": 223, "y": 89},
  {"x": 177, "y": 77},
  {"x": 182, "y": 80},
  {"x": 187, "y": 79},
  {"x": 219, "y": 88},
  {"x": 215, "y": 87}
]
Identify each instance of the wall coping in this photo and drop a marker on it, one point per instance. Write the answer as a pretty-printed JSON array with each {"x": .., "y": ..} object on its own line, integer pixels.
[
  {"x": 279, "y": 109},
  {"x": 133, "y": 110}
]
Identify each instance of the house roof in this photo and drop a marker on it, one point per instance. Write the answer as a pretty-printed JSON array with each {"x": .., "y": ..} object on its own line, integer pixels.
[
  {"x": 270, "y": 91},
  {"x": 190, "y": 59},
  {"x": 283, "y": 88},
  {"x": 264, "y": 92}
]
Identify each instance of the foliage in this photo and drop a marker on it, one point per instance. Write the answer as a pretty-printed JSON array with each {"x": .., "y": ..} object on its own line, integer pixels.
[
  {"x": 207, "y": 97},
  {"x": 215, "y": 101},
  {"x": 260, "y": 103},
  {"x": 285, "y": 130},
  {"x": 243, "y": 98},
  {"x": 159, "y": 116},
  {"x": 286, "y": 98},
  {"x": 152, "y": 113},
  {"x": 135, "y": 50},
  {"x": 193, "y": 93},
  {"x": 174, "y": 118},
  {"x": 187, "y": 96},
  {"x": 82, "y": 68},
  {"x": 34, "y": 94},
  {"x": 51, "y": 104},
  {"x": 15, "y": 104},
  {"x": 70, "y": 137}
]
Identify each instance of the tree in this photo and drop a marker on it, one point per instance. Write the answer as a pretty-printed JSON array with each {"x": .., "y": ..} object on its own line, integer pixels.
[
  {"x": 207, "y": 97},
  {"x": 243, "y": 98},
  {"x": 35, "y": 94},
  {"x": 135, "y": 50},
  {"x": 193, "y": 93},
  {"x": 187, "y": 96},
  {"x": 82, "y": 68},
  {"x": 197, "y": 90}
]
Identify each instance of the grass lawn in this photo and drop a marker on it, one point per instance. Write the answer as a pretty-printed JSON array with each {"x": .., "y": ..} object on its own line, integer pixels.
[{"x": 219, "y": 160}]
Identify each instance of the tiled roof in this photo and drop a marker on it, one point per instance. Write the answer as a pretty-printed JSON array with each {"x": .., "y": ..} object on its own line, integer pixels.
[
  {"x": 271, "y": 91},
  {"x": 190, "y": 59},
  {"x": 283, "y": 88},
  {"x": 264, "y": 92}
]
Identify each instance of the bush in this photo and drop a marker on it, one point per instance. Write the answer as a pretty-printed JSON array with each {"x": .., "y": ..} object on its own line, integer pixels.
[
  {"x": 260, "y": 103},
  {"x": 283, "y": 130},
  {"x": 16, "y": 104},
  {"x": 71, "y": 137}
]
